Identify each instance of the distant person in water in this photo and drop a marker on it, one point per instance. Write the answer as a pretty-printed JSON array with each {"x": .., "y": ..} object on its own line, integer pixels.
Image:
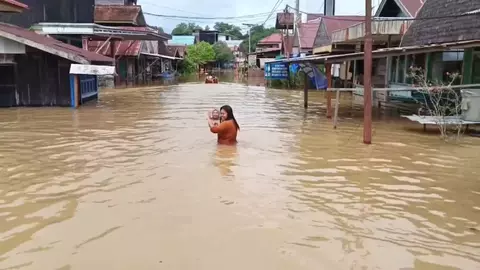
[{"x": 227, "y": 129}]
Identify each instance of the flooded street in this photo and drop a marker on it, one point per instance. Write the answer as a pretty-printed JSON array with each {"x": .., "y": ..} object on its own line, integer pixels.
[{"x": 138, "y": 182}]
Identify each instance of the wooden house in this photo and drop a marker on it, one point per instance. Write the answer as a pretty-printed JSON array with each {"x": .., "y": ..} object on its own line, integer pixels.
[{"x": 35, "y": 70}]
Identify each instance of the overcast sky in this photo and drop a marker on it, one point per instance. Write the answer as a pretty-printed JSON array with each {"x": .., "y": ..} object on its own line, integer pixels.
[{"x": 230, "y": 8}]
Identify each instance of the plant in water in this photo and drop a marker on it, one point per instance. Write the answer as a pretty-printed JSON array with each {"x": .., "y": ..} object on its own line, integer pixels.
[{"x": 440, "y": 101}]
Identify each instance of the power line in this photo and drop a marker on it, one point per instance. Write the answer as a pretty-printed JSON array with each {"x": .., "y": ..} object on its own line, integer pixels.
[
  {"x": 362, "y": 19},
  {"x": 205, "y": 18},
  {"x": 160, "y": 6},
  {"x": 273, "y": 10}
]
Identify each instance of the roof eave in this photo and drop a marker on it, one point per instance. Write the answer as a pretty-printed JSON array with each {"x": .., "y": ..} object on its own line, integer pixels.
[{"x": 42, "y": 47}]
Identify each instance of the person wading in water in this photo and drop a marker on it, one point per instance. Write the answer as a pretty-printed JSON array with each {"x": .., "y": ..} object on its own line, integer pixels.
[{"x": 228, "y": 128}]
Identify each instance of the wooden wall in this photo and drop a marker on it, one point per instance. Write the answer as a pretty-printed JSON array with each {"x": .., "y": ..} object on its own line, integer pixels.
[
  {"x": 61, "y": 11},
  {"x": 41, "y": 79}
]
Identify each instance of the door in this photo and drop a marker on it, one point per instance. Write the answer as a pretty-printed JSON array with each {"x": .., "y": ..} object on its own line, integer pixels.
[{"x": 7, "y": 85}]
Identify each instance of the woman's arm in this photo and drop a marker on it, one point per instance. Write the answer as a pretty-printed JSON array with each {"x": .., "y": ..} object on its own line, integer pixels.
[
  {"x": 218, "y": 129},
  {"x": 210, "y": 121}
]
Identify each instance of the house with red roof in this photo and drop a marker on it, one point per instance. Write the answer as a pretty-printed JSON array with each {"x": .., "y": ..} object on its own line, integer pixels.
[
  {"x": 269, "y": 48},
  {"x": 138, "y": 61},
  {"x": 445, "y": 39}
]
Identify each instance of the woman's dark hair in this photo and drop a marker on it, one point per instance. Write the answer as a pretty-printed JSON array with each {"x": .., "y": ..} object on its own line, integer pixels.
[{"x": 230, "y": 115}]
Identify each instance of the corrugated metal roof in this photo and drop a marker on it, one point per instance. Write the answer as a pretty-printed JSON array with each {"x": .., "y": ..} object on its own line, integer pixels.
[
  {"x": 124, "y": 47},
  {"x": 50, "y": 45},
  {"x": 272, "y": 39},
  {"x": 307, "y": 33}
]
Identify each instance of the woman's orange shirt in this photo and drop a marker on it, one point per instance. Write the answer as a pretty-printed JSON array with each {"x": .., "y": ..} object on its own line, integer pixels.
[{"x": 226, "y": 132}]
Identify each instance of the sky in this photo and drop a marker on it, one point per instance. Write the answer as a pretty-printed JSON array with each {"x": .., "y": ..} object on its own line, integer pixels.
[{"x": 230, "y": 8}]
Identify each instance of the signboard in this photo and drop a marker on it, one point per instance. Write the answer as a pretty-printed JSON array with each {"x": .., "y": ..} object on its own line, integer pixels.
[
  {"x": 276, "y": 71},
  {"x": 91, "y": 69}
]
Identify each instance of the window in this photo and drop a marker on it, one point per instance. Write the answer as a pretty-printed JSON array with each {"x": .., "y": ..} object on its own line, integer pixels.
[
  {"x": 445, "y": 64},
  {"x": 476, "y": 68}
]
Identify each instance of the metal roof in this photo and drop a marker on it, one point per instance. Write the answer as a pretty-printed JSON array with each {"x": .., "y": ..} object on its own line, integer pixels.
[
  {"x": 92, "y": 29},
  {"x": 50, "y": 45},
  {"x": 382, "y": 52}
]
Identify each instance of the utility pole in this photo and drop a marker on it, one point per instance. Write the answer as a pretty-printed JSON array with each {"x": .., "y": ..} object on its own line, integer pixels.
[
  {"x": 298, "y": 17},
  {"x": 249, "y": 36},
  {"x": 367, "y": 75}
]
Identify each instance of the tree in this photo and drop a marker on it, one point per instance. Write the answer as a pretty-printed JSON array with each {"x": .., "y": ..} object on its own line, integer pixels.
[
  {"x": 257, "y": 33},
  {"x": 229, "y": 29},
  {"x": 184, "y": 29},
  {"x": 207, "y": 28},
  {"x": 223, "y": 53},
  {"x": 440, "y": 101},
  {"x": 200, "y": 53}
]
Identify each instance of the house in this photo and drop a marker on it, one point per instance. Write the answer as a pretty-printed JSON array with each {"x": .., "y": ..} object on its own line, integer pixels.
[
  {"x": 35, "y": 70},
  {"x": 209, "y": 36},
  {"x": 454, "y": 21},
  {"x": 182, "y": 40},
  {"x": 304, "y": 38},
  {"x": 61, "y": 11},
  {"x": 445, "y": 39},
  {"x": 346, "y": 34},
  {"x": 267, "y": 49},
  {"x": 139, "y": 60}
]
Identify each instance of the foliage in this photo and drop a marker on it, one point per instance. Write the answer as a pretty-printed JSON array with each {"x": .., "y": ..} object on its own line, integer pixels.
[
  {"x": 440, "y": 100},
  {"x": 258, "y": 33},
  {"x": 229, "y": 29},
  {"x": 207, "y": 28},
  {"x": 187, "y": 66},
  {"x": 184, "y": 29},
  {"x": 200, "y": 53},
  {"x": 222, "y": 52}
]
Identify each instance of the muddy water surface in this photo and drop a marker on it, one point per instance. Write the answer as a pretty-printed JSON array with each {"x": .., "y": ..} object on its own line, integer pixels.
[{"x": 138, "y": 182}]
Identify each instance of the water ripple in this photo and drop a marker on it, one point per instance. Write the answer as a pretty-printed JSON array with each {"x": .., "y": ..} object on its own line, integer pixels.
[{"x": 140, "y": 176}]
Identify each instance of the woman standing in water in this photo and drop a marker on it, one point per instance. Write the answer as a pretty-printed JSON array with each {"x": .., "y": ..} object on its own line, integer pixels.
[{"x": 228, "y": 128}]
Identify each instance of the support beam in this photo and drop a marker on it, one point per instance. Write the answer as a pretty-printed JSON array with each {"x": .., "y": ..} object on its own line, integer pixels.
[
  {"x": 367, "y": 94},
  {"x": 305, "y": 90},
  {"x": 337, "y": 97},
  {"x": 337, "y": 104},
  {"x": 328, "y": 71}
]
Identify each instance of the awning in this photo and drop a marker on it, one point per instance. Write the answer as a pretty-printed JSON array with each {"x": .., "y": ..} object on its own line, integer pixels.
[
  {"x": 381, "y": 53},
  {"x": 162, "y": 56}
]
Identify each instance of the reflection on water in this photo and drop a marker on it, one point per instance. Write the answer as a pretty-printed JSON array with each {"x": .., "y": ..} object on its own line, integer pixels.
[{"x": 138, "y": 182}]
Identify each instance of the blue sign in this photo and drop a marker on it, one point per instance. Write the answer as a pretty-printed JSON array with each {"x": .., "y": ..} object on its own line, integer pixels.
[{"x": 276, "y": 71}]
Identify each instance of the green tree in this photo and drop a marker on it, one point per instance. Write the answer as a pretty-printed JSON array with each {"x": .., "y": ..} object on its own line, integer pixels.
[
  {"x": 223, "y": 53},
  {"x": 207, "y": 28},
  {"x": 229, "y": 29},
  {"x": 184, "y": 29},
  {"x": 200, "y": 53},
  {"x": 258, "y": 33}
]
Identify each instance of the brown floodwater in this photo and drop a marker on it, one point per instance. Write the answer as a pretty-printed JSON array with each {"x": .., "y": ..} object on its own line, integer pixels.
[{"x": 138, "y": 182}]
